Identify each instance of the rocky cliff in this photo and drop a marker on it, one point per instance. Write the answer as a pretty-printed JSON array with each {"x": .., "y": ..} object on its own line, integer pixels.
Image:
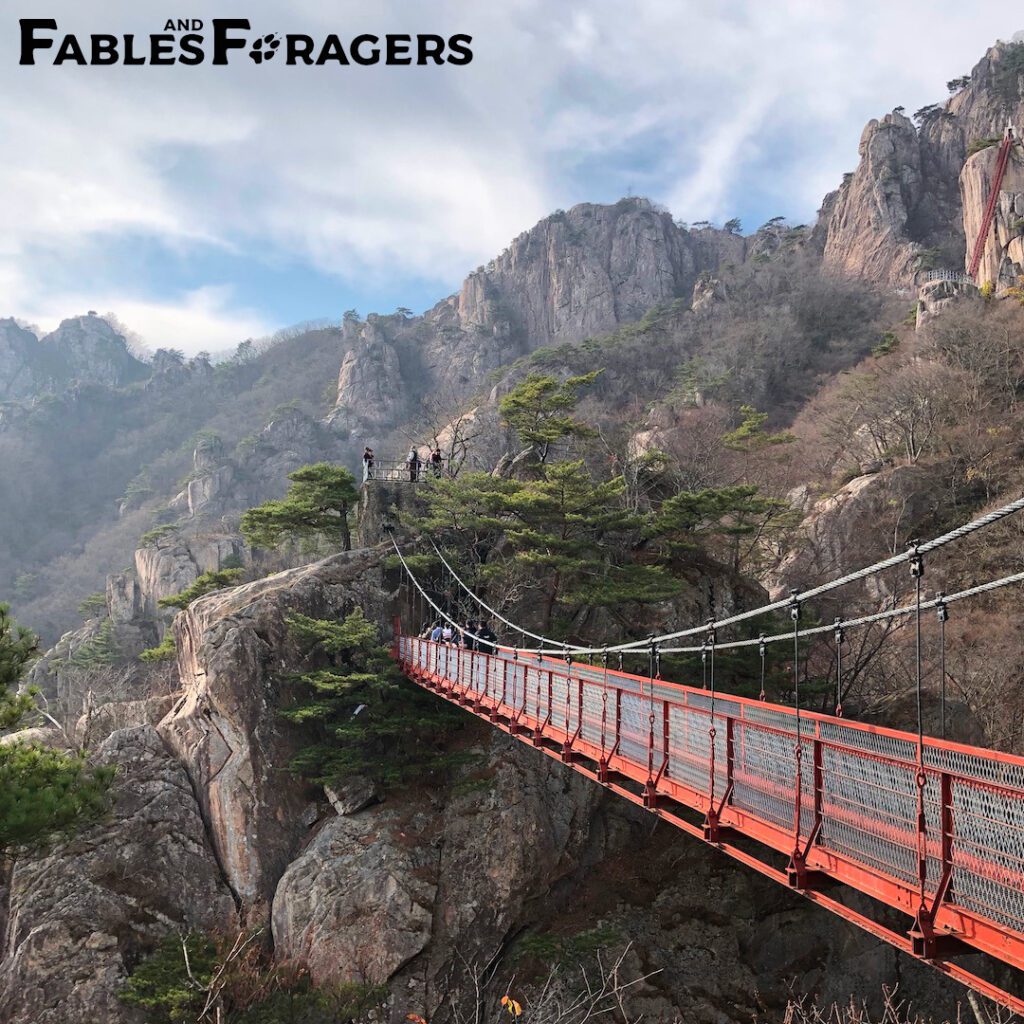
[
  {"x": 87, "y": 349},
  {"x": 22, "y": 372},
  {"x": 901, "y": 211},
  {"x": 576, "y": 274}
]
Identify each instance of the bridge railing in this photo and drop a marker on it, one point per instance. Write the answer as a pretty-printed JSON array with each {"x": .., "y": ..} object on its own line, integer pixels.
[{"x": 941, "y": 825}]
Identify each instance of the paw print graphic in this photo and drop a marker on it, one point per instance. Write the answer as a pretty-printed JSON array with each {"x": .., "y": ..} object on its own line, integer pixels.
[{"x": 264, "y": 47}]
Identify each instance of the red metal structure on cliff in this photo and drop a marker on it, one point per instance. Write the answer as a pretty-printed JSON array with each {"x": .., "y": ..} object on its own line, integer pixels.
[{"x": 1009, "y": 140}]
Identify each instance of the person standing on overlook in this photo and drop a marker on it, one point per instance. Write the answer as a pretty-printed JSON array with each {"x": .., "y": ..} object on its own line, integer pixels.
[
  {"x": 412, "y": 460},
  {"x": 367, "y": 463}
]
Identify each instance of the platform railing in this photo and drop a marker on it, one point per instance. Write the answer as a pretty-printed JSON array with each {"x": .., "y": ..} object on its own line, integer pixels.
[
  {"x": 958, "y": 276},
  {"x": 402, "y": 471}
]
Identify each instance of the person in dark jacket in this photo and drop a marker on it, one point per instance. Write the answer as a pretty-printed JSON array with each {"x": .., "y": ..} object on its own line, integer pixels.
[
  {"x": 436, "y": 461},
  {"x": 367, "y": 463},
  {"x": 488, "y": 638}
]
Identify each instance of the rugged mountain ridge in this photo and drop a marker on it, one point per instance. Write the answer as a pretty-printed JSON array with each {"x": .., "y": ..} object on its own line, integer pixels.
[
  {"x": 82, "y": 350},
  {"x": 576, "y": 274},
  {"x": 901, "y": 211}
]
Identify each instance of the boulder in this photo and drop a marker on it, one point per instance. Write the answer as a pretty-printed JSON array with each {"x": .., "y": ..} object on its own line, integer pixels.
[
  {"x": 82, "y": 912},
  {"x": 401, "y": 891}
]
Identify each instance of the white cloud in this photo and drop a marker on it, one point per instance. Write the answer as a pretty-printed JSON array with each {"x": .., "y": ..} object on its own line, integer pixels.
[
  {"x": 384, "y": 174},
  {"x": 206, "y": 318}
]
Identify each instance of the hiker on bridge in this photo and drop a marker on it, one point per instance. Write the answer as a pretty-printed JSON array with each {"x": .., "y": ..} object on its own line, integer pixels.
[
  {"x": 436, "y": 460},
  {"x": 367, "y": 463},
  {"x": 488, "y": 638}
]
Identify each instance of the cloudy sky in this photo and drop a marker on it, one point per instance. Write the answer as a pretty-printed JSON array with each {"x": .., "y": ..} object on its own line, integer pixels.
[{"x": 205, "y": 205}]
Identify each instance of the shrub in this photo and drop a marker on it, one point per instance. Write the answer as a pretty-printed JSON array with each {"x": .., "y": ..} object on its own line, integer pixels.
[
  {"x": 977, "y": 145},
  {"x": 207, "y": 583},
  {"x": 164, "y": 651},
  {"x": 235, "y": 983},
  {"x": 889, "y": 343}
]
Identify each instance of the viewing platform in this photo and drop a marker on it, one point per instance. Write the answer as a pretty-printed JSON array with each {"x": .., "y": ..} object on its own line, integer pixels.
[{"x": 402, "y": 471}]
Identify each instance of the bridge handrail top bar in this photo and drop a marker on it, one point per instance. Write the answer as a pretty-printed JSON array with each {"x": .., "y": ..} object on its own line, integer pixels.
[{"x": 807, "y": 717}]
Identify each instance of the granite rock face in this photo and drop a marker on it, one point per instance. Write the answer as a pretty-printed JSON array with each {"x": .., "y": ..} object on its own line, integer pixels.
[
  {"x": 905, "y": 209},
  {"x": 867, "y": 230},
  {"x": 1002, "y": 260},
  {"x": 77, "y": 916},
  {"x": 398, "y": 891},
  {"x": 87, "y": 349},
  {"x": 170, "y": 564},
  {"x": 225, "y": 727},
  {"x": 576, "y": 274},
  {"x": 22, "y": 372}
]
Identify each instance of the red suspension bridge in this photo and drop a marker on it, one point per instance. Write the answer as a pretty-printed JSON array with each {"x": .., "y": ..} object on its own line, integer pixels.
[{"x": 929, "y": 830}]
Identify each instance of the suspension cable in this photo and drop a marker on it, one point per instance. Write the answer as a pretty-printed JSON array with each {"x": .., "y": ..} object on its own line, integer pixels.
[
  {"x": 798, "y": 749},
  {"x": 763, "y": 650},
  {"x": 870, "y": 570},
  {"x": 491, "y": 611},
  {"x": 917, "y": 572},
  {"x": 848, "y": 624},
  {"x": 712, "y": 731},
  {"x": 840, "y": 640},
  {"x": 863, "y": 620}
]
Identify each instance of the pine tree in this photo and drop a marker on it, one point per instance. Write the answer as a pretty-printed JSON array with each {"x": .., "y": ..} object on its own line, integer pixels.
[
  {"x": 317, "y": 505},
  {"x": 692, "y": 523},
  {"x": 42, "y": 791},
  {"x": 539, "y": 410},
  {"x": 574, "y": 534},
  {"x": 567, "y": 536},
  {"x": 207, "y": 583},
  {"x": 359, "y": 715}
]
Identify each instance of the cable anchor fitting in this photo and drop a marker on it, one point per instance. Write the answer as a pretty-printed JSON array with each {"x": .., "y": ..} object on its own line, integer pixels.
[{"x": 916, "y": 561}]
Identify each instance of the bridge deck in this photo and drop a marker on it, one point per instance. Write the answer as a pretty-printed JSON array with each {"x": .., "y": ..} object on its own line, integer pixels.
[{"x": 935, "y": 832}]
